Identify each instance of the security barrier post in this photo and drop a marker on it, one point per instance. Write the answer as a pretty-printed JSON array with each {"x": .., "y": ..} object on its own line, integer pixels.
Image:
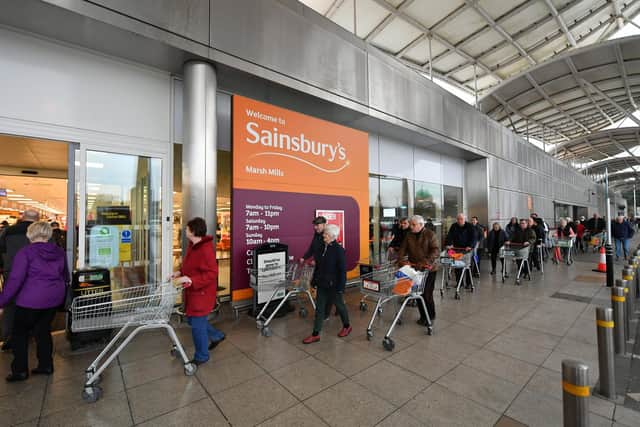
[
  {"x": 575, "y": 393},
  {"x": 617, "y": 304},
  {"x": 606, "y": 366}
]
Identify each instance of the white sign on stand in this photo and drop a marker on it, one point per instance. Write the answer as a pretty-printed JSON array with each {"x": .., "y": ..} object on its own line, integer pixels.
[{"x": 271, "y": 269}]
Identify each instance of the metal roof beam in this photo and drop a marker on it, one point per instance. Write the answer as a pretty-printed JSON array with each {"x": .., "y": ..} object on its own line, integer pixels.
[
  {"x": 561, "y": 23},
  {"x": 435, "y": 36},
  {"x": 333, "y": 8},
  {"x": 612, "y": 102},
  {"x": 617, "y": 13},
  {"x": 574, "y": 73},
  {"x": 552, "y": 102},
  {"x": 411, "y": 45},
  {"x": 480, "y": 10},
  {"x": 387, "y": 20},
  {"x": 623, "y": 73},
  {"x": 515, "y": 111}
]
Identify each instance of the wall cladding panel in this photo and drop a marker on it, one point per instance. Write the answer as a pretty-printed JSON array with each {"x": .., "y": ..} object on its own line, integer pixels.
[{"x": 276, "y": 37}]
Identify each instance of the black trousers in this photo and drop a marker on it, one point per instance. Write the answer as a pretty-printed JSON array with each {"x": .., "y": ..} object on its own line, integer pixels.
[
  {"x": 427, "y": 295},
  {"x": 38, "y": 322},
  {"x": 494, "y": 258},
  {"x": 467, "y": 277}
]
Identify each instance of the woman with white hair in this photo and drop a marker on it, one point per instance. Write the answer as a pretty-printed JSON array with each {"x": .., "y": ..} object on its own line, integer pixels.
[
  {"x": 329, "y": 278},
  {"x": 37, "y": 282}
]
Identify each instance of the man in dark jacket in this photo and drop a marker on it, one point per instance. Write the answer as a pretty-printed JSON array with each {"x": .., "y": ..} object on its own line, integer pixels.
[
  {"x": 595, "y": 225},
  {"x": 538, "y": 229},
  {"x": 622, "y": 232},
  {"x": 524, "y": 236},
  {"x": 330, "y": 278},
  {"x": 461, "y": 235},
  {"x": 421, "y": 250},
  {"x": 12, "y": 240},
  {"x": 316, "y": 247},
  {"x": 399, "y": 233}
]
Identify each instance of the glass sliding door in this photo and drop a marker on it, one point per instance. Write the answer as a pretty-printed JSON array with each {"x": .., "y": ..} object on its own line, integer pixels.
[{"x": 121, "y": 204}]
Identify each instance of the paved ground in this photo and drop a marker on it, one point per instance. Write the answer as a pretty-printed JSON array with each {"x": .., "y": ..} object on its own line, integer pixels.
[{"x": 494, "y": 359}]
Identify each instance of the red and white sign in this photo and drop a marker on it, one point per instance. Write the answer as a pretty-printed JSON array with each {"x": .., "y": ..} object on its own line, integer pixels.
[{"x": 335, "y": 217}]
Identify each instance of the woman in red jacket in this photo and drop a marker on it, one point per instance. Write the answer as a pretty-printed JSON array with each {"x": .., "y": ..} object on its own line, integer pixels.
[{"x": 199, "y": 277}]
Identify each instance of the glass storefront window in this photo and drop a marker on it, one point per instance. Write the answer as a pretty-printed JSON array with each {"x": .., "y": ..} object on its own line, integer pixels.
[
  {"x": 394, "y": 204},
  {"x": 428, "y": 200},
  {"x": 451, "y": 207},
  {"x": 124, "y": 217}
]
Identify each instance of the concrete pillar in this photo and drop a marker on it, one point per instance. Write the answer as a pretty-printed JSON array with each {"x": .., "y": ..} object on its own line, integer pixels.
[{"x": 199, "y": 167}]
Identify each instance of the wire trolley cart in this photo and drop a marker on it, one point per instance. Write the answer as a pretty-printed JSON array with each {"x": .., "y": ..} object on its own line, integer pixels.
[
  {"x": 515, "y": 252},
  {"x": 455, "y": 259},
  {"x": 142, "y": 307},
  {"x": 558, "y": 244},
  {"x": 367, "y": 271},
  {"x": 296, "y": 280},
  {"x": 383, "y": 286}
]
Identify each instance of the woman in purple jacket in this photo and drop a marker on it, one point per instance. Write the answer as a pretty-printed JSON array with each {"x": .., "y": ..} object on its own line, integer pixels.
[{"x": 37, "y": 282}]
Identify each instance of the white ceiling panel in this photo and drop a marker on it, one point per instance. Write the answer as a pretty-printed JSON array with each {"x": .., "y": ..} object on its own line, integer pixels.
[
  {"x": 396, "y": 35},
  {"x": 428, "y": 12}
]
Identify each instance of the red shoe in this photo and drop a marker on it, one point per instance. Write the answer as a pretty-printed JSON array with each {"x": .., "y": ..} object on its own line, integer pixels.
[
  {"x": 311, "y": 339},
  {"x": 344, "y": 332}
]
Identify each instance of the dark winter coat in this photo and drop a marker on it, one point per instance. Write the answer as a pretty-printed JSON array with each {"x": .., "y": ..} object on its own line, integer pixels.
[
  {"x": 462, "y": 236},
  {"x": 398, "y": 237},
  {"x": 521, "y": 236},
  {"x": 315, "y": 247},
  {"x": 331, "y": 270},
  {"x": 12, "y": 240},
  {"x": 200, "y": 265},
  {"x": 495, "y": 240},
  {"x": 38, "y": 277},
  {"x": 621, "y": 231}
]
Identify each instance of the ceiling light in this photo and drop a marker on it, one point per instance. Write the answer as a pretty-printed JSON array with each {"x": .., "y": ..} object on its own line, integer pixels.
[{"x": 16, "y": 195}]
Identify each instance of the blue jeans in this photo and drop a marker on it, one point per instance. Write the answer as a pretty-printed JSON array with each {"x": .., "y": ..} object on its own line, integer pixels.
[
  {"x": 622, "y": 244},
  {"x": 202, "y": 331}
]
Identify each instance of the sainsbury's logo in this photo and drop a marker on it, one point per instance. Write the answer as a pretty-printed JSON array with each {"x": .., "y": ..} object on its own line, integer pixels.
[{"x": 290, "y": 146}]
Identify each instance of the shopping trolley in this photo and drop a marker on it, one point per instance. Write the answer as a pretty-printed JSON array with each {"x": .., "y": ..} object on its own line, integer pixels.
[
  {"x": 596, "y": 240},
  {"x": 455, "y": 259},
  {"x": 366, "y": 271},
  {"x": 384, "y": 286},
  {"x": 296, "y": 280},
  {"x": 143, "y": 307},
  {"x": 515, "y": 252},
  {"x": 560, "y": 243}
]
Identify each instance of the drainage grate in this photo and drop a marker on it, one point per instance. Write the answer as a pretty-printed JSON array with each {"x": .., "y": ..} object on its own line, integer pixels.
[{"x": 571, "y": 297}]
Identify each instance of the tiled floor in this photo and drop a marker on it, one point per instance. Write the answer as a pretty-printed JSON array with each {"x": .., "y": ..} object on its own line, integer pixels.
[{"x": 494, "y": 359}]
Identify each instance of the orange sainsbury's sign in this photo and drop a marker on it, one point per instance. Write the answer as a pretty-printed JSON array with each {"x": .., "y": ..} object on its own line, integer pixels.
[{"x": 287, "y": 166}]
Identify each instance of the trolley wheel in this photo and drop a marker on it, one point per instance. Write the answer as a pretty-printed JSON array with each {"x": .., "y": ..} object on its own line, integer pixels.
[
  {"x": 457, "y": 296},
  {"x": 429, "y": 330},
  {"x": 259, "y": 324},
  {"x": 91, "y": 394},
  {"x": 266, "y": 331},
  {"x": 174, "y": 351},
  {"x": 502, "y": 279},
  {"x": 369, "y": 334},
  {"x": 190, "y": 369},
  {"x": 471, "y": 289},
  {"x": 517, "y": 281},
  {"x": 303, "y": 312},
  {"x": 380, "y": 310},
  {"x": 363, "y": 306},
  {"x": 388, "y": 344},
  {"x": 399, "y": 323}
]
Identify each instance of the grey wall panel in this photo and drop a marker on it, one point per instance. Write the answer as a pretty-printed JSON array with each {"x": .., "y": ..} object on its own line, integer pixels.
[
  {"x": 274, "y": 36},
  {"x": 397, "y": 92},
  {"x": 187, "y": 18}
]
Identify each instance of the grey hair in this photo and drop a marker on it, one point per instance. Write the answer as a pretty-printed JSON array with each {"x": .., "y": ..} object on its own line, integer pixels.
[
  {"x": 31, "y": 215},
  {"x": 332, "y": 230},
  {"x": 40, "y": 230},
  {"x": 419, "y": 219}
]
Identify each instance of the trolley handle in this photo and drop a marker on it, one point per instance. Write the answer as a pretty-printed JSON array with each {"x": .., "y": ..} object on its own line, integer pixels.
[
  {"x": 517, "y": 245},
  {"x": 462, "y": 250}
]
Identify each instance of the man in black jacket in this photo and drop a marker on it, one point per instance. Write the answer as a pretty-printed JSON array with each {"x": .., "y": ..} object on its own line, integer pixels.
[
  {"x": 12, "y": 240},
  {"x": 315, "y": 250},
  {"x": 461, "y": 236},
  {"x": 479, "y": 232}
]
